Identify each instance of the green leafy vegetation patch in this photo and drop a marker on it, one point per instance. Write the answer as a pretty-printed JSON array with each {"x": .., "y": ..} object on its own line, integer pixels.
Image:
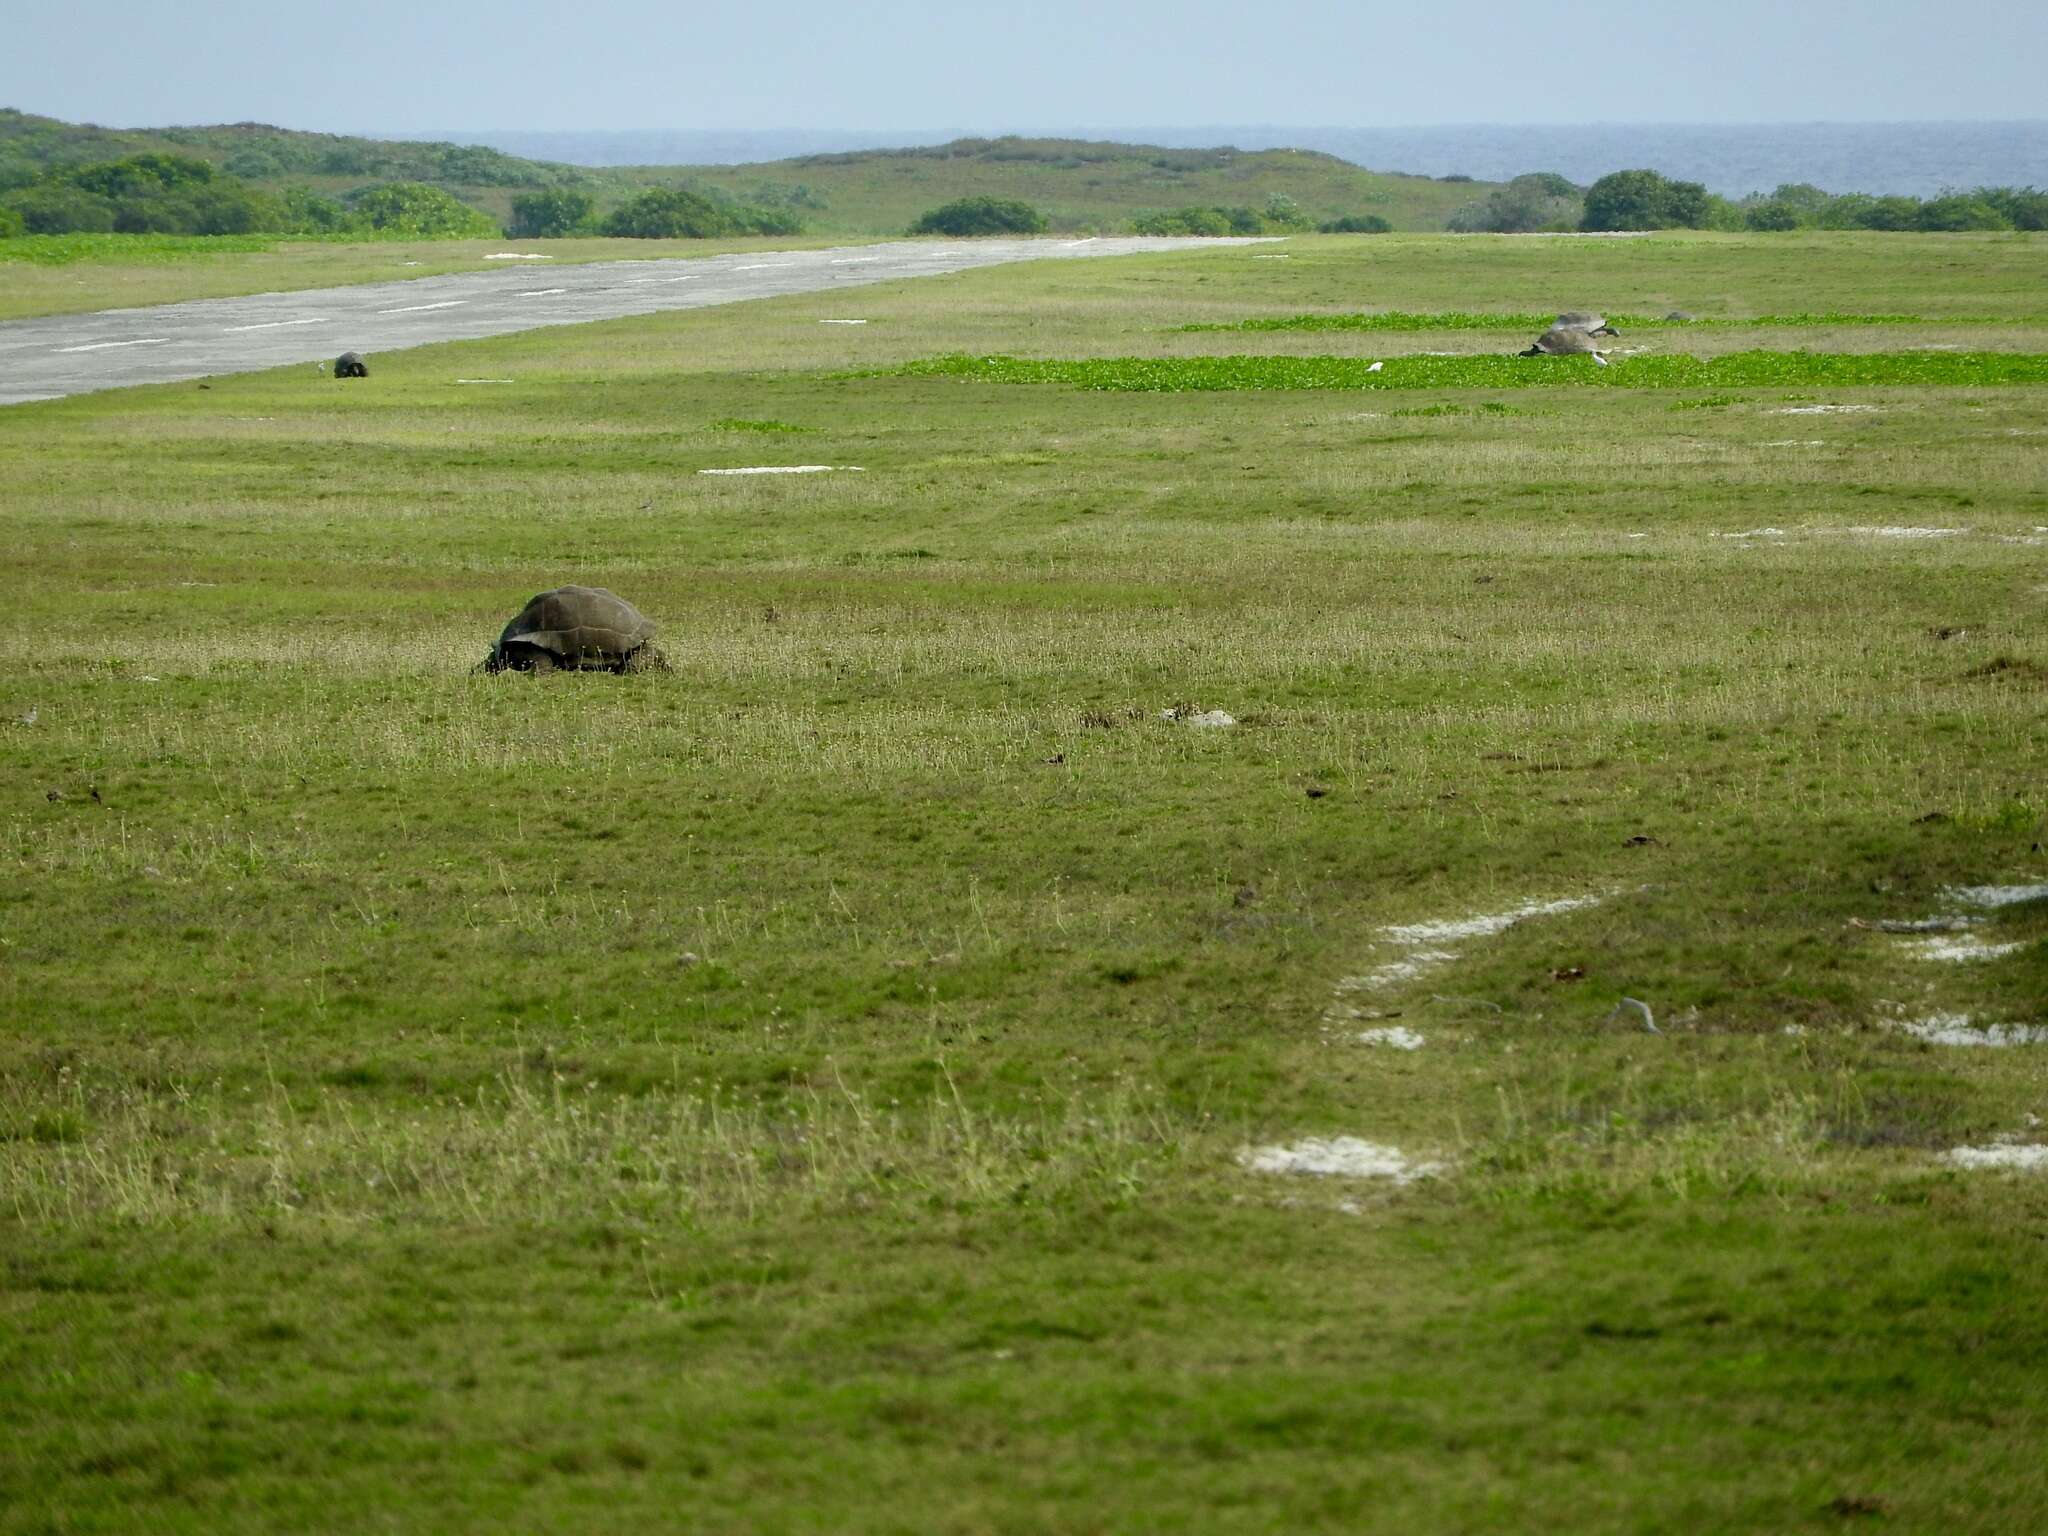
[
  {"x": 1172, "y": 375},
  {"x": 1468, "y": 320}
]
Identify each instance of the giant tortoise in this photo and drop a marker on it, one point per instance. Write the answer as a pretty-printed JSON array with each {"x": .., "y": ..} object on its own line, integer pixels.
[
  {"x": 350, "y": 365},
  {"x": 1566, "y": 341},
  {"x": 579, "y": 629}
]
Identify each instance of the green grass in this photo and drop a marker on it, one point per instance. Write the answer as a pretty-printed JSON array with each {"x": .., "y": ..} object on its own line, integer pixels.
[
  {"x": 141, "y": 250},
  {"x": 594, "y": 1103},
  {"x": 1749, "y": 370},
  {"x": 1466, "y": 320}
]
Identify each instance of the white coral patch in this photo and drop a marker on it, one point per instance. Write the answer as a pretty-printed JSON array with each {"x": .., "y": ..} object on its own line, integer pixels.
[
  {"x": 1344, "y": 1157},
  {"x": 2027, "y": 1157},
  {"x": 1996, "y": 895},
  {"x": 1395, "y": 1035}
]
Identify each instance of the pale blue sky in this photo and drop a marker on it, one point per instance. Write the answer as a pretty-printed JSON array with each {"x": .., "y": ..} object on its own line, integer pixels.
[{"x": 408, "y": 65}]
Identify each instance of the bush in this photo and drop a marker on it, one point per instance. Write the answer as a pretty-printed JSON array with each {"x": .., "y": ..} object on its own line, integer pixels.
[
  {"x": 981, "y": 216},
  {"x": 1527, "y": 203},
  {"x": 11, "y": 224},
  {"x": 1283, "y": 212},
  {"x": 1961, "y": 211},
  {"x": 1645, "y": 200},
  {"x": 1890, "y": 213},
  {"x": 1357, "y": 224},
  {"x": 669, "y": 213},
  {"x": 1203, "y": 221},
  {"x": 52, "y": 208},
  {"x": 549, "y": 214},
  {"x": 141, "y": 176},
  {"x": 1183, "y": 221},
  {"x": 1549, "y": 183},
  {"x": 1771, "y": 215},
  {"x": 2025, "y": 207},
  {"x": 307, "y": 212},
  {"x": 414, "y": 208}
]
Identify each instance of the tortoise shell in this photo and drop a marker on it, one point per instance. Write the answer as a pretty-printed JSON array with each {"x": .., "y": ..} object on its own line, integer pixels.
[{"x": 582, "y": 627}]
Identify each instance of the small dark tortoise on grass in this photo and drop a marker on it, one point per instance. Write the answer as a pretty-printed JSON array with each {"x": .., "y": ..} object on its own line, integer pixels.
[
  {"x": 351, "y": 366},
  {"x": 577, "y": 629}
]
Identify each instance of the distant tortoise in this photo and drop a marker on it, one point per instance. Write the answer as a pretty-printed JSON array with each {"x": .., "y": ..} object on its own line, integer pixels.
[
  {"x": 351, "y": 366},
  {"x": 581, "y": 629},
  {"x": 1585, "y": 320},
  {"x": 1566, "y": 341}
]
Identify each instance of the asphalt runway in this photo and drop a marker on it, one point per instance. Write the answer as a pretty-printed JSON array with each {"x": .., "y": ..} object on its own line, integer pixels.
[{"x": 45, "y": 359}]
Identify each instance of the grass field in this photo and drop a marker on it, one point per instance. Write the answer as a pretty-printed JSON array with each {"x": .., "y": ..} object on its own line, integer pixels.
[{"x": 852, "y": 1083}]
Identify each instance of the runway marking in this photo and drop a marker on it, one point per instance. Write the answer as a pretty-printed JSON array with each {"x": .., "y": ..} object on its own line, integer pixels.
[
  {"x": 541, "y": 293},
  {"x": 99, "y": 346},
  {"x": 849, "y": 261},
  {"x": 271, "y": 325},
  {"x": 842, "y": 322},
  {"x": 766, "y": 266},
  {"x": 408, "y": 309},
  {"x": 781, "y": 469}
]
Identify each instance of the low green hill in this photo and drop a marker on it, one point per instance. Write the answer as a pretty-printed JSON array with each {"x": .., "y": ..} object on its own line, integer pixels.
[
  {"x": 1079, "y": 185},
  {"x": 278, "y": 157},
  {"x": 1085, "y": 185}
]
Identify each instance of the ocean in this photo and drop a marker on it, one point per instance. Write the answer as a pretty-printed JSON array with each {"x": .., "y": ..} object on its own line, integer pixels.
[{"x": 1733, "y": 159}]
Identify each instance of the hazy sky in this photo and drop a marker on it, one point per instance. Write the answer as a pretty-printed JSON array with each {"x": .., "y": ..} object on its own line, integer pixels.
[{"x": 407, "y": 65}]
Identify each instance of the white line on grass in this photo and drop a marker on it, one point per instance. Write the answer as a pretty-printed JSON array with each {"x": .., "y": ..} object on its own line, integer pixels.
[{"x": 783, "y": 469}]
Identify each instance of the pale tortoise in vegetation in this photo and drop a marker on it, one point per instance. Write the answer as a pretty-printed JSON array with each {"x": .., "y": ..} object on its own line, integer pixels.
[
  {"x": 1572, "y": 336},
  {"x": 577, "y": 629}
]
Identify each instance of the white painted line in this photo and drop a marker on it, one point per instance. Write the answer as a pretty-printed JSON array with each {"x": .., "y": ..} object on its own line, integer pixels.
[
  {"x": 851, "y": 261},
  {"x": 101, "y": 346},
  {"x": 690, "y": 279},
  {"x": 842, "y": 322},
  {"x": 764, "y": 266},
  {"x": 410, "y": 309},
  {"x": 271, "y": 325},
  {"x": 1070, "y": 244},
  {"x": 517, "y": 256},
  {"x": 783, "y": 469},
  {"x": 486, "y": 381},
  {"x": 541, "y": 293}
]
